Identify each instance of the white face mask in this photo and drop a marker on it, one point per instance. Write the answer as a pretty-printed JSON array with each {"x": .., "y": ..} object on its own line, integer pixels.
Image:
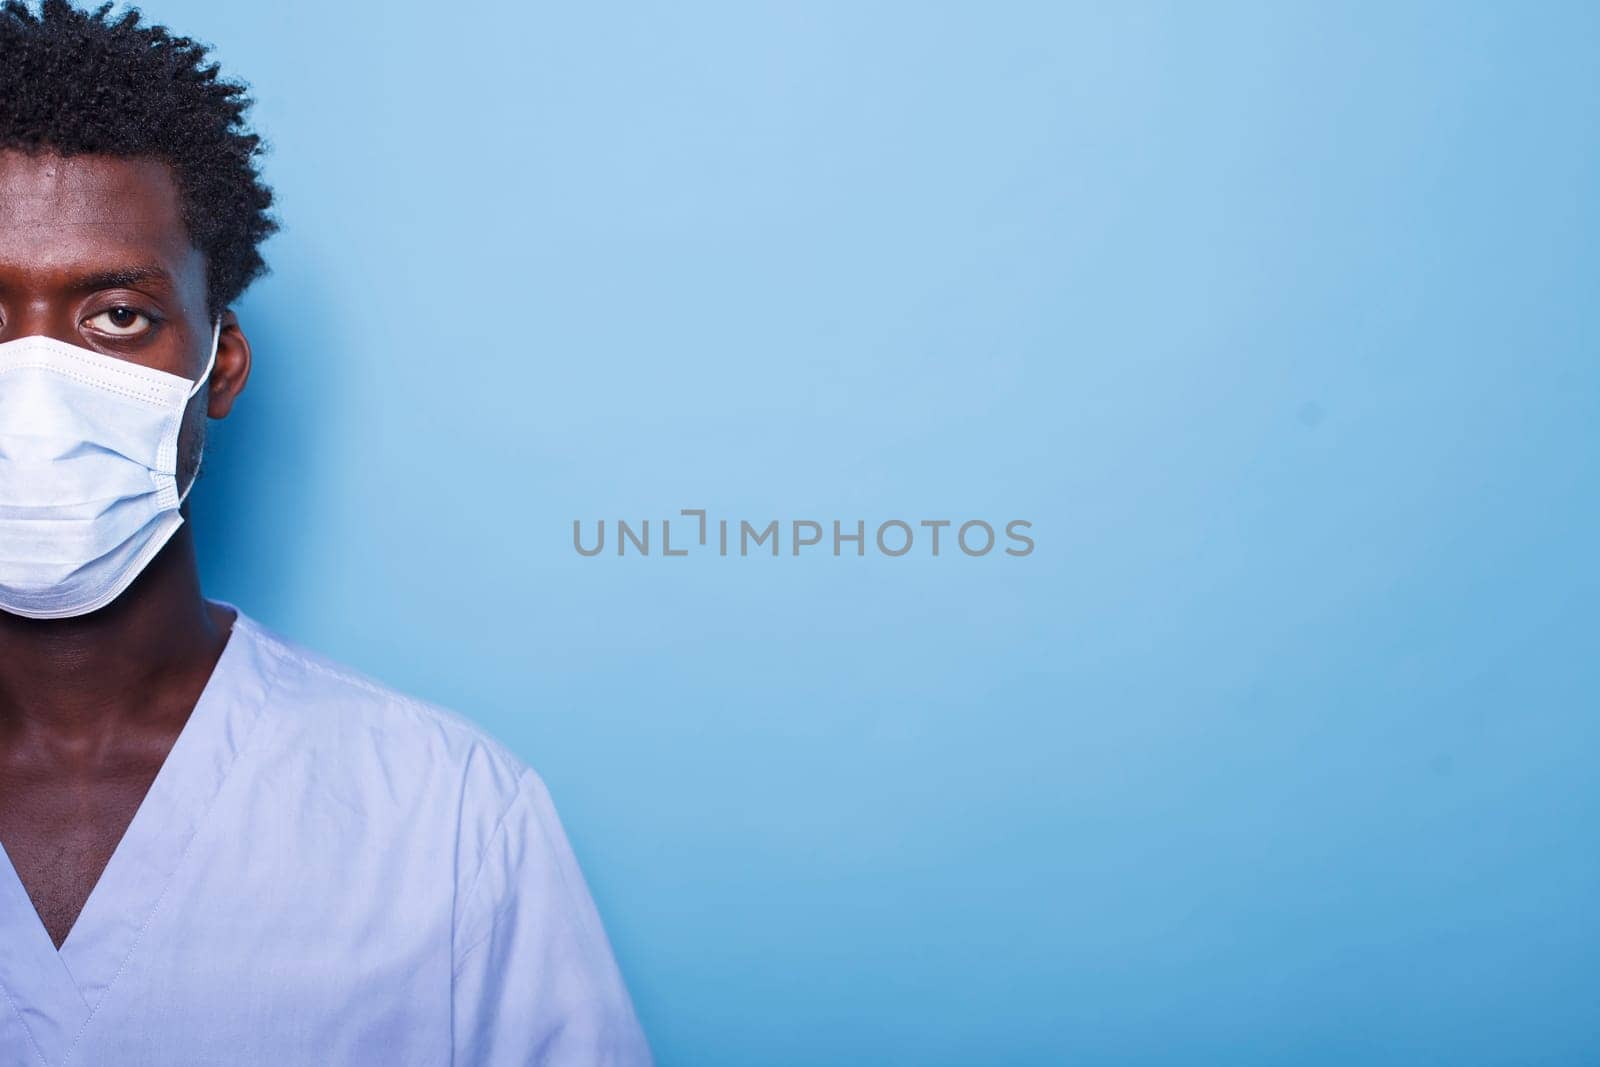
[{"x": 88, "y": 473}]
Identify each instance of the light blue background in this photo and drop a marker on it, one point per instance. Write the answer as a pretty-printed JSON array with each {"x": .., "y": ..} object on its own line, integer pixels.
[{"x": 1276, "y": 320}]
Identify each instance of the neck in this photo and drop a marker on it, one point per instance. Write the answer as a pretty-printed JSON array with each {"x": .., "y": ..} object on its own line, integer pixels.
[{"x": 87, "y": 675}]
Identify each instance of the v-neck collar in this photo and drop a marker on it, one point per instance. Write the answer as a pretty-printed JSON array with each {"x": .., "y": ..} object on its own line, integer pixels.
[{"x": 56, "y": 993}]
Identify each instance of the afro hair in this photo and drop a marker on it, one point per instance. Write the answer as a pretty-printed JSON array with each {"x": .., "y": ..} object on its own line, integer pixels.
[{"x": 76, "y": 82}]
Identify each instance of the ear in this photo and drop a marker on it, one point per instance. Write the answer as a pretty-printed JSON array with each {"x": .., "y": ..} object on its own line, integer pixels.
[{"x": 232, "y": 368}]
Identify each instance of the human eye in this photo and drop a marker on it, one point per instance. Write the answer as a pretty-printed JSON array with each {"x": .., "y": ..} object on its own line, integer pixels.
[{"x": 120, "y": 321}]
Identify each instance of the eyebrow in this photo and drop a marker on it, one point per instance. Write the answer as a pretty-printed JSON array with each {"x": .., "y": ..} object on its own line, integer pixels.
[{"x": 121, "y": 278}]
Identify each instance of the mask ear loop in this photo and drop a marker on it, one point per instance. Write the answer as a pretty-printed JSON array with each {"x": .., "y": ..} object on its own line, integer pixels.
[{"x": 205, "y": 376}]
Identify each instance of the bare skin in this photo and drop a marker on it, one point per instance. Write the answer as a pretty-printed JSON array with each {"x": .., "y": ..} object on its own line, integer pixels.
[{"x": 94, "y": 252}]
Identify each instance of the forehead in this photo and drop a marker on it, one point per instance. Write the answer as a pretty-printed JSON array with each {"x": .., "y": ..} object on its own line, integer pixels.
[{"x": 64, "y": 214}]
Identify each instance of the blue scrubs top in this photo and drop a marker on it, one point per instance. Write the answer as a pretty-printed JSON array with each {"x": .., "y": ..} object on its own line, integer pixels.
[{"x": 324, "y": 872}]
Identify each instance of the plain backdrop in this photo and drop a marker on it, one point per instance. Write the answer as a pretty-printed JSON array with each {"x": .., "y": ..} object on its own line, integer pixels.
[{"x": 1276, "y": 320}]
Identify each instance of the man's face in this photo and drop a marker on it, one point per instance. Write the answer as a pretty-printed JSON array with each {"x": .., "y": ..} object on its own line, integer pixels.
[{"x": 94, "y": 252}]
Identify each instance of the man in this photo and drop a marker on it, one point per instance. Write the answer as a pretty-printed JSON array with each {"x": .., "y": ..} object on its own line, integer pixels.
[{"x": 218, "y": 847}]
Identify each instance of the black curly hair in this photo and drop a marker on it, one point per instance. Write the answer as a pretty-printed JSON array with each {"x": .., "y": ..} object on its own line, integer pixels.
[{"x": 75, "y": 82}]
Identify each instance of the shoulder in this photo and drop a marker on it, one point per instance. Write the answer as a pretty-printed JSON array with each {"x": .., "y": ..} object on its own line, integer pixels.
[
  {"x": 326, "y": 694},
  {"x": 445, "y": 805},
  {"x": 391, "y": 757}
]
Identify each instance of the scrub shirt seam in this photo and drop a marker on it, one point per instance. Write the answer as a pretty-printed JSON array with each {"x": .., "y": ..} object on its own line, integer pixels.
[
  {"x": 477, "y": 876},
  {"x": 574, "y": 924},
  {"x": 155, "y": 909}
]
